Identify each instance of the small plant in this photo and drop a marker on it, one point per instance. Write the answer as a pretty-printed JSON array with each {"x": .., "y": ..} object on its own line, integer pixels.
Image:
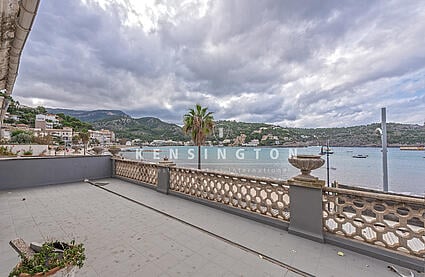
[
  {"x": 5, "y": 151},
  {"x": 28, "y": 152},
  {"x": 50, "y": 259}
]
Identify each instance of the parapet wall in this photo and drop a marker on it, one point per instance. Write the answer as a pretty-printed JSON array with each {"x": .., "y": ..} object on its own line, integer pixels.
[{"x": 18, "y": 173}]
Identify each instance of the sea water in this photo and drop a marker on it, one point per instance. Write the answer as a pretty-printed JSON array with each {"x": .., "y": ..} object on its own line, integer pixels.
[{"x": 406, "y": 169}]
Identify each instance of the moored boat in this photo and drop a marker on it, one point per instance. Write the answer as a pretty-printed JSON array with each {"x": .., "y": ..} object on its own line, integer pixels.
[{"x": 360, "y": 156}]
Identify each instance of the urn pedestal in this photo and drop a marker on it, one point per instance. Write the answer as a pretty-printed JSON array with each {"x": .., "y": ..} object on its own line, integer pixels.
[{"x": 305, "y": 192}]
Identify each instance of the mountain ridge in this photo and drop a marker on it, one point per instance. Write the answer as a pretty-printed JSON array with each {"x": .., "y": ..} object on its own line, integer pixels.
[
  {"x": 150, "y": 128},
  {"x": 89, "y": 116}
]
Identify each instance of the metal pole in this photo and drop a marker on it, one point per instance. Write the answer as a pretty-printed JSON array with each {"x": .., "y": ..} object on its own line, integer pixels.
[
  {"x": 384, "y": 148},
  {"x": 327, "y": 161}
]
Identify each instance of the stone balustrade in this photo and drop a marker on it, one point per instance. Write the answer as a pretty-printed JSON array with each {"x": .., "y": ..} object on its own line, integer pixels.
[
  {"x": 259, "y": 195},
  {"x": 393, "y": 222},
  {"x": 137, "y": 170},
  {"x": 386, "y": 226}
]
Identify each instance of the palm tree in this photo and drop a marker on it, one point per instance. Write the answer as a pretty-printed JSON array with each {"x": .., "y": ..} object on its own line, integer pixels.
[
  {"x": 85, "y": 137},
  {"x": 199, "y": 123}
]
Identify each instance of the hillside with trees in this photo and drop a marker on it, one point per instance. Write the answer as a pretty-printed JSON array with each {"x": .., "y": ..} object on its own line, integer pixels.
[
  {"x": 89, "y": 116},
  {"x": 363, "y": 135},
  {"x": 26, "y": 115},
  {"x": 145, "y": 128},
  {"x": 148, "y": 129}
]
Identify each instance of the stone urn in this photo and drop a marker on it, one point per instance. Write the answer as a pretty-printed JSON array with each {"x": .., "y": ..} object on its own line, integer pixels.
[
  {"x": 306, "y": 163},
  {"x": 114, "y": 150},
  {"x": 98, "y": 150},
  {"x": 166, "y": 162}
]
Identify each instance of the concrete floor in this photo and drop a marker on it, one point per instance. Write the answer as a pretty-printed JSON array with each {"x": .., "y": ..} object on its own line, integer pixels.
[{"x": 123, "y": 238}]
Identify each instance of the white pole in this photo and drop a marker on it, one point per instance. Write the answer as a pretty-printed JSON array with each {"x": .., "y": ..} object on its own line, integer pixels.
[{"x": 384, "y": 148}]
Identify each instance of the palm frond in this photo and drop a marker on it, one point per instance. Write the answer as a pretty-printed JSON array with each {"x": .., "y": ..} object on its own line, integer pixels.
[{"x": 199, "y": 123}]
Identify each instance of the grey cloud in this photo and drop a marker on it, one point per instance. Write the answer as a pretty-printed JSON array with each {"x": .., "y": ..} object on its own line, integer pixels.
[{"x": 302, "y": 63}]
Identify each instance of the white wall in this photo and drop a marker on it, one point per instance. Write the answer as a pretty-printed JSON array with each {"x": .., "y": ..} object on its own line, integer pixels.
[{"x": 36, "y": 149}]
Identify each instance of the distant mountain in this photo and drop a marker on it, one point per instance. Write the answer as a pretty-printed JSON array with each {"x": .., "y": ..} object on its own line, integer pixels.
[
  {"x": 151, "y": 128},
  {"x": 89, "y": 116},
  {"x": 145, "y": 128}
]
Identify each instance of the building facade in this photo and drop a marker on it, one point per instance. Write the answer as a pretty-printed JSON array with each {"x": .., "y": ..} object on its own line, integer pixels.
[
  {"x": 46, "y": 121},
  {"x": 102, "y": 136}
]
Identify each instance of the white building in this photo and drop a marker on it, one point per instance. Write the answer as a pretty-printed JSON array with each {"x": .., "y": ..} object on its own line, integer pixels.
[
  {"x": 11, "y": 116},
  {"x": 102, "y": 136},
  {"x": 5, "y": 134},
  {"x": 160, "y": 142},
  {"x": 252, "y": 143},
  {"x": 270, "y": 137},
  {"x": 65, "y": 134},
  {"x": 46, "y": 121}
]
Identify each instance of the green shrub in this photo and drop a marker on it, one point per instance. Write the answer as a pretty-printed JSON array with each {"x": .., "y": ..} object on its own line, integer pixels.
[
  {"x": 5, "y": 151},
  {"x": 48, "y": 258}
]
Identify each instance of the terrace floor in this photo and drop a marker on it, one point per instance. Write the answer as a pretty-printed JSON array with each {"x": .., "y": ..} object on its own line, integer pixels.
[{"x": 124, "y": 238}]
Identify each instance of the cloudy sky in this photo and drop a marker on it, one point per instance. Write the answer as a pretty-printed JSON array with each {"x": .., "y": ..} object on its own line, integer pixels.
[{"x": 294, "y": 63}]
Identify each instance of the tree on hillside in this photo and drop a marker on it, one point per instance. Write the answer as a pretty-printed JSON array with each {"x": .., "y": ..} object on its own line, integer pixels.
[
  {"x": 199, "y": 124},
  {"x": 74, "y": 123},
  {"x": 40, "y": 110},
  {"x": 75, "y": 139},
  {"x": 85, "y": 137},
  {"x": 43, "y": 140},
  {"x": 22, "y": 137}
]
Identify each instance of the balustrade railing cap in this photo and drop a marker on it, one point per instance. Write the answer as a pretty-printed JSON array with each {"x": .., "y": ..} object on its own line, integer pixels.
[
  {"x": 166, "y": 163},
  {"x": 378, "y": 196},
  {"x": 307, "y": 182},
  {"x": 124, "y": 160}
]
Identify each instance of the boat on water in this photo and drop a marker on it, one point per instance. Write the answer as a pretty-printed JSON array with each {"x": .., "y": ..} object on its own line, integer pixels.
[
  {"x": 413, "y": 148},
  {"x": 360, "y": 156},
  {"x": 324, "y": 151}
]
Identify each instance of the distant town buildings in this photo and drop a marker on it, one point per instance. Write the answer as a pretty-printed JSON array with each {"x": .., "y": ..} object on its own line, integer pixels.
[
  {"x": 49, "y": 125},
  {"x": 240, "y": 140},
  {"x": 102, "y": 136},
  {"x": 160, "y": 142}
]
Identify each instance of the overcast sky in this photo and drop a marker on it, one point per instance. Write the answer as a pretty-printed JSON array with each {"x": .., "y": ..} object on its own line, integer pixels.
[{"x": 293, "y": 63}]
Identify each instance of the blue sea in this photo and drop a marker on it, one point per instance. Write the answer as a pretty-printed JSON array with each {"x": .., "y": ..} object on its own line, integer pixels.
[{"x": 406, "y": 169}]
